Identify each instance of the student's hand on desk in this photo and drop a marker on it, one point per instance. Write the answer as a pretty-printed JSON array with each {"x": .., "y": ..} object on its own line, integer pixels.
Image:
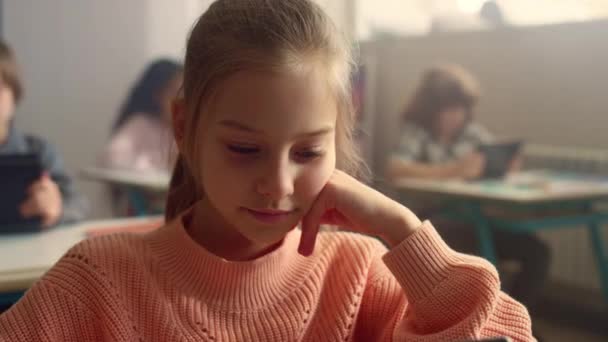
[
  {"x": 516, "y": 164},
  {"x": 471, "y": 166},
  {"x": 44, "y": 201},
  {"x": 347, "y": 203}
]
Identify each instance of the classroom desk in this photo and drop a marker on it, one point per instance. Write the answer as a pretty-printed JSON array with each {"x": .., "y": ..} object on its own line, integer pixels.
[
  {"x": 578, "y": 200},
  {"x": 24, "y": 258},
  {"x": 136, "y": 184}
]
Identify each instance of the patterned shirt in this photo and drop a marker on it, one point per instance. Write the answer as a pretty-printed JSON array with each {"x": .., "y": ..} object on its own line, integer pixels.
[{"x": 417, "y": 144}]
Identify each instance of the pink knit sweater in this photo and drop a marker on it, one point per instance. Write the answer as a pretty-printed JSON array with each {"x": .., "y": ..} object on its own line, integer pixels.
[{"x": 162, "y": 286}]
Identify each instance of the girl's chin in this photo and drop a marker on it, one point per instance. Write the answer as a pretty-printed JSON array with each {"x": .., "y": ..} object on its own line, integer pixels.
[{"x": 268, "y": 236}]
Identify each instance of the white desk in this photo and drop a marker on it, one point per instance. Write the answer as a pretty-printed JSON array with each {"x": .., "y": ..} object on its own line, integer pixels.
[
  {"x": 530, "y": 187},
  {"x": 527, "y": 190},
  {"x": 25, "y": 258},
  {"x": 150, "y": 181}
]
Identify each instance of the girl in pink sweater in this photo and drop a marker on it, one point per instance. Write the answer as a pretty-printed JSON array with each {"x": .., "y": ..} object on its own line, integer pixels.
[{"x": 264, "y": 133}]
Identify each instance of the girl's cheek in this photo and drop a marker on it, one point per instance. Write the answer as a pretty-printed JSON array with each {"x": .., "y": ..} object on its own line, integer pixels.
[{"x": 313, "y": 180}]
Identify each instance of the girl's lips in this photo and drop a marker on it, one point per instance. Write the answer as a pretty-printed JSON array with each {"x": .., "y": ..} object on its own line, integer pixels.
[{"x": 269, "y": 215}]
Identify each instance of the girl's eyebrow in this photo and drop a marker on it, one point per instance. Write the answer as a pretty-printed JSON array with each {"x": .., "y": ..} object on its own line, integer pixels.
[
  {"x": 243, "y": 127},
  {"x": 238, "y": 126}
]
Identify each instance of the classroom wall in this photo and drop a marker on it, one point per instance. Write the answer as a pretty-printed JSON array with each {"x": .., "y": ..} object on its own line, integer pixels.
[
  {"x": 543, "y": 84},
  {"x": 343, "y": 14},
  {"x": 415, "y": 16},
  {"x": 79, "y": 58}
]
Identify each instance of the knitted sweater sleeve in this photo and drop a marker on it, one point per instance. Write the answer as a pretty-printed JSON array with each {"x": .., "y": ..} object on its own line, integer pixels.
[{"x": 421, "y": 290}]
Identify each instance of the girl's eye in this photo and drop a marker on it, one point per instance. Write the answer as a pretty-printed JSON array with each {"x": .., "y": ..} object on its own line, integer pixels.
[
  {"x": 241, "y": 149},
  {"x": 307, "y": 155}
]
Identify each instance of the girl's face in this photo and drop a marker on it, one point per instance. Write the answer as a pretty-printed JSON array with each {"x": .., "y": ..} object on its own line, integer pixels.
[
  {"x": 450, "y": 122},
  {"x": 7, "y": 108},
  {"x": 268, "y": 148}
]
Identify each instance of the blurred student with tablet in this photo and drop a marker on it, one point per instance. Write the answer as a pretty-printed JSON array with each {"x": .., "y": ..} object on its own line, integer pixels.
[
  {"x": 38, "y": 193},
  {"x": 441, "y": 140}
]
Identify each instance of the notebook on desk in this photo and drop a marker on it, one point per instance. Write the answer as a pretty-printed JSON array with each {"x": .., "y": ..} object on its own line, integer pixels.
[{"x": 17, "y": 173}]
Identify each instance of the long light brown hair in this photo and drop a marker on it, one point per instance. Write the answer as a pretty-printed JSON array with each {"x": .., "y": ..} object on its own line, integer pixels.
[
  {"x": 442, "y": 87},
  {"x": 262, "y": 35}
]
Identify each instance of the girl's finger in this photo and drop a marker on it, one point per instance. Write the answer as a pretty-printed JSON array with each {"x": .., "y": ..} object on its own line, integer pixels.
[
  {"x": 310, "y": 226},
  {"x": 336, "y": 218}
]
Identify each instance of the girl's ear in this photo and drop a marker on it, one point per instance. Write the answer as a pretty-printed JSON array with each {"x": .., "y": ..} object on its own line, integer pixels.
[{"x": 178, "y": 121}]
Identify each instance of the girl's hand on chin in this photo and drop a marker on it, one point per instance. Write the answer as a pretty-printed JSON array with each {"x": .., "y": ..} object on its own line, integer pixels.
[{"x": 354, "y": 206}]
